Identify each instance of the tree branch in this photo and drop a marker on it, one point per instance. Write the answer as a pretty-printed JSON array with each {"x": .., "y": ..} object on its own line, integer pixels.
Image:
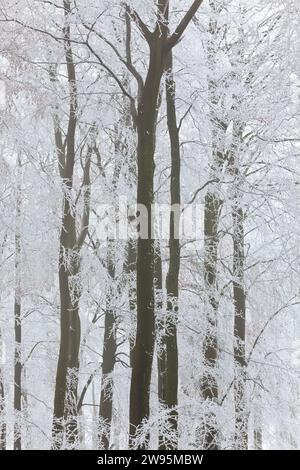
[
  {"x": 141, "y": 25},
  {"x": 176, "y": 36},
  {"x": 86, "y": 199}
]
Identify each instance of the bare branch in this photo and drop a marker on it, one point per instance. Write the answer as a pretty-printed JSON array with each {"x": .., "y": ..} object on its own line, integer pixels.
[
  {"x": 214, "y": 180},
  {"x": 176, "y": 36},
  {"x": 141, "y": 25},
  {"x": 86, "y": 199}
]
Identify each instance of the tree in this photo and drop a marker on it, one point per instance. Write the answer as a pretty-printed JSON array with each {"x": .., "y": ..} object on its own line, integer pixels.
[
  {"x": 18, "y": 322},
  {"x": 65, "y": 401},
  {"x": 160, "y": 44},
  {"x": 100, "y": 104},
  {"x": 2, "y": 408},
  {"x": 172, "y": 281}
]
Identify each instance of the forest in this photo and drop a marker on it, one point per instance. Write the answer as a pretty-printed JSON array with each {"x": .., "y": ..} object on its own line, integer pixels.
[{"x": 149, "y": 225}]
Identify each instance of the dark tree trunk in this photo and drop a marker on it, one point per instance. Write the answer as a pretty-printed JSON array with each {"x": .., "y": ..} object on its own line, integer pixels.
[
  {"x": 258, "y": 438},
  {"x": 239, "y": 296},
  {"x": 67, "y": 351},
  {"x": 239, "y": 293},
  {"x": 130, "y": 268},
  {"x": 145, "y": 334},
  {"x": 62, "y": 366},
  {"x": 160, "y": 45},
  {"x": 258, "y": 422},
  {"x": 18, "y": 329},
  {"x": 71, "y": 413},
  {"x": 161, "y": 345},
  {"x": 66, "y": 388},
  {"x": 108, "y": 354},
  {"x": 174, "y": 264},
  {"x": 213, "y": 204},
  {"x": 2, "y": 404},
  {"x": 17, "y": 375},
  {"x": 2, "y": 411},
  {"x": 210, "y": 346},
  {"x": 110, "y": 324}
]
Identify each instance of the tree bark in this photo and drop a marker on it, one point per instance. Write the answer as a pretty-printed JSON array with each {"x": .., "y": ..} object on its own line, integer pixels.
[
  {"x": 239, "y": 296},
  {"x": 66, "y": 388},
  {"x": 18, "y": 328},
  {"x": 174, "y": 264},
  {"x": 2, "y": 412},
  {"x": 160, "y": 45},
  {"x": 144, "y": 344},
  {"x": 67, "y": 309},
  {"x": 212, "y": 207},
  {"x": 109, "y": 354},
  {"x": 2, "y": 402},
  {"x": 161, "y": 345},
  {"x": 258, "y": 438},
  {"x": 130, "y": 268},
  {"x": 210, "y": 346}
]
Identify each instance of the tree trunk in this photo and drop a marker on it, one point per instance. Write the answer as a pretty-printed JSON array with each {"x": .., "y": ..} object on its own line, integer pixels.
[
  {"x": 161, "y": 344},
  {"x": 66, "y": 391},
  {"x": 2, "y": 404},
  {"x": 239, "y": 296},
  {"x": 257, "y": 422},
  {"x": 109, "y": 353},
  {"x": 71, "y": 410},
  {"x": 66, "y": 388},
  {"x": 210, "y": 346},
  {"x": 17, "y": 375},
  {"x": 213, "y": 204},
  {"x": 174, "y": 264},
  {"x": 110, "y": 324},
  {"x": 160, "y": 45},
  {"x": 67, "y": 309},
  {"x": 258, "y": 438},
  {"x": 145, "y": 334},
  {"x": 18, "y": 327},
  {"x": 130, "y": 268}
]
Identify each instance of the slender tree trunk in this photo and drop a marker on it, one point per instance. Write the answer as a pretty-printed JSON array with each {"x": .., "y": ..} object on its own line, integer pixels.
[
  {"x": 108, "y": 354},
  {"x": 2, "y": 404},
  {"x": 160, "y": 45},
  {"x": 130, "y": 268},
  {"x": 239, "y": 296},
  {"x": 17, "y": 376},
  {"x": 18, "y": 330},
  {"x": 110, "y": 325},
  {"x": 210, "y": 346},
  {"x": 2, "y": 387},
  {"x": 213, "y": 204},
  {"x": 71, "y": 410},
  {"x": 174, "y": 264},
  {"x": 258, "y": 438},
  {"x": 160, "y": 341},
  {"x": 65, "y": 399},
  {"x": 25, "y": 411},
  {"x": 257, "y": 423},
  {"x": 67, "y": 243},
  {"x": 66, "y": 392},
  {"x": 62, "y": 366},
  {"x": 95, "y": 437},
  {"x": 66, "y": 389},
  {"x": 145, "y": 334}
]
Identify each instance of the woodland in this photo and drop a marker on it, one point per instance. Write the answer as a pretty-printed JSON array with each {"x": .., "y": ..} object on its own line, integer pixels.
[{"x": 149, "y": 224}]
